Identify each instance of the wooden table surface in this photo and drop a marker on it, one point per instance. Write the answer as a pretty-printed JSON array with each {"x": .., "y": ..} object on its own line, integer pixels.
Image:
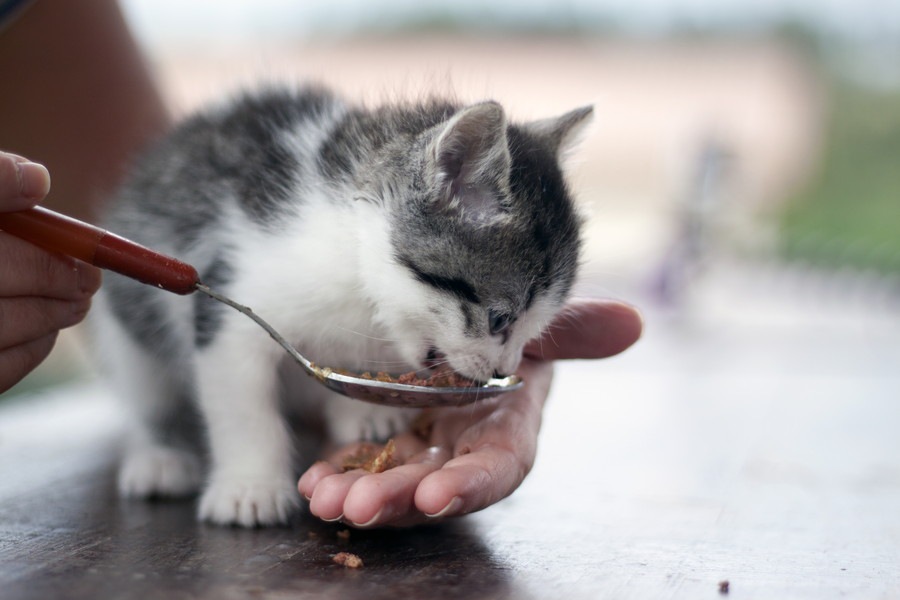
[{"x": 761, "y": 452}]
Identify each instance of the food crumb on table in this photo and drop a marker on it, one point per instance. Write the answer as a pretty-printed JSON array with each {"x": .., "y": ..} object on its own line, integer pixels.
[{"x": 346, "y": 559}]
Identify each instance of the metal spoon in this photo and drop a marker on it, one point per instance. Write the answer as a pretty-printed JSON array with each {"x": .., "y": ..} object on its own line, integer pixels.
[{"x": 59, "y": 233}]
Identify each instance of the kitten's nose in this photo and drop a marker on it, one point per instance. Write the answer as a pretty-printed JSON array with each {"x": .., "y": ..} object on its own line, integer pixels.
[{"x": 498, "y": 375}]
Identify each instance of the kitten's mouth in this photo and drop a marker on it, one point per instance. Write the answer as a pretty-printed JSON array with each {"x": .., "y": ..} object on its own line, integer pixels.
[
  {"x": 441, "y": 374},
  {"x": 436, "y": 362},
  {"x": 435, "y": 359}
]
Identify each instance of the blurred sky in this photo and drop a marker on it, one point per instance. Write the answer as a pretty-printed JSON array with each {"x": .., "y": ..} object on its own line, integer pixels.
[{"x": 160, "y": 22}]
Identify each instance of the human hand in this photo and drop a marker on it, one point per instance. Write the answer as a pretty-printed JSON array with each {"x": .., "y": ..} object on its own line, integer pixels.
[
  {"x": 476, "y": 455},
  {"x": 40, "y": 293}
]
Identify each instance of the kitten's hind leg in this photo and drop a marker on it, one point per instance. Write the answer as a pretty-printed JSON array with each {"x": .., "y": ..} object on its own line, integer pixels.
[
  {"x": 155, "y": 470},
  {"x": 160, "y": 458}
]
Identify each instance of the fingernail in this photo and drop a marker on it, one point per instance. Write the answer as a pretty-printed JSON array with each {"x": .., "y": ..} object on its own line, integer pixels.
[
  {"x": 79, "y": 312},
  {"x": 34, "y": 180},
  {"x": 337, "y": 518},
  {"x": 371, "y": 521},
  {"x": 88, "y": 278},
  {"x": 451, "y": 509}
]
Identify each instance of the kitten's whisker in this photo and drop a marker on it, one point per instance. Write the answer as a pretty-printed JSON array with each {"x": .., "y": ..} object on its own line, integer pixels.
[
  {"x": 368, "y": 336},
  {"x": 569, "y": 316}
]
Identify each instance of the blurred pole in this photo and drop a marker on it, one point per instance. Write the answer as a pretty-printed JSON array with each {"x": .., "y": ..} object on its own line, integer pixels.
[{"x": 694, "y": 243}]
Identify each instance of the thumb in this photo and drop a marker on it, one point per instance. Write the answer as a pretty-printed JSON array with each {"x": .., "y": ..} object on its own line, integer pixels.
[
  {"x": 588, "y": 329},
  {"x": 22, "y": 182}
]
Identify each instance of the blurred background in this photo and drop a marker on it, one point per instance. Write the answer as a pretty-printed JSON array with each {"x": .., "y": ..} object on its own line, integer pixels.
[{"x": 741, "y": 174}]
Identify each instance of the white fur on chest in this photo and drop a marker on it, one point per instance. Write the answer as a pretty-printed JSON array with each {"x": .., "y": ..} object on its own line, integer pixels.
[{"x": 306, "y": 279}]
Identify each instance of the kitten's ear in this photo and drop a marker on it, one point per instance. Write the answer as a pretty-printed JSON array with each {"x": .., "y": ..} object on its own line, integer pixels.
[
  {"x": 471, "y": 160},
  {"x": 564, "y": 132}
]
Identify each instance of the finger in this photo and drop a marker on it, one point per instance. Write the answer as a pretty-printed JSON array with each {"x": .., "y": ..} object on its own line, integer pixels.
[
  {"x": 492, "y": 420},
  {"x": 24, "y": 319},
  {"x": 17, "y": 362},
  {"x": 492, "y": 458},
  {"x": 588, "y": 329},
  {"x": 324, "y": 468},
  {"x": 26, "y": 270},
  {"x": 336, "y": 461},
  {"x": 494, "y": 452},
  {"x": 22, "y": 182},
  {"x": 311, "y": 478},
  {"x": 327, "y": 487},
  {"x": 363, "y": 499},
  {"x": 470, "y": 482},
  {"x": 327, "y": 499},
  {"x": 388, "y": 498}
]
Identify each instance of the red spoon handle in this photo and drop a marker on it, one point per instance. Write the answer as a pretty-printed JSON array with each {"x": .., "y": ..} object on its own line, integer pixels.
[{"x": 59, "y": 233}]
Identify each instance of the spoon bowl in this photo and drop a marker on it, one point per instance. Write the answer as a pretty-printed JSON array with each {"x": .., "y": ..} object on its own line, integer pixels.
[{"x": 416, "y": 396}]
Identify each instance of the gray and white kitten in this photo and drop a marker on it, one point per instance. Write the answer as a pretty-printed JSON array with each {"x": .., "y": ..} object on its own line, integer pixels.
[{"x": 386, "y": 239}]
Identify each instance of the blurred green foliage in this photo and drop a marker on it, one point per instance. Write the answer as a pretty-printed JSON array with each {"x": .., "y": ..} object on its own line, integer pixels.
[{"x": 849, "y": 216}]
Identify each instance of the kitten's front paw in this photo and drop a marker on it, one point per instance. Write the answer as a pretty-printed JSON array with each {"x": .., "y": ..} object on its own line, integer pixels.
[
  {"x": 149, "y": 471},
  {"x": 249, "y": 503}
]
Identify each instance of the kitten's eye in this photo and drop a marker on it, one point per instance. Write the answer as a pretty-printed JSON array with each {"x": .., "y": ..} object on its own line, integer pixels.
[{"x": 499, "y": 322}]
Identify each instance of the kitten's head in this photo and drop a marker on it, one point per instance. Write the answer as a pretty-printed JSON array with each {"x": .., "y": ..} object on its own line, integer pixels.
[{"x": 484, "y": 240}]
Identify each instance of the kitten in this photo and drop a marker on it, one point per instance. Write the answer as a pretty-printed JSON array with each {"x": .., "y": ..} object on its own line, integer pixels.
[{"x": 388, "y": 239}]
